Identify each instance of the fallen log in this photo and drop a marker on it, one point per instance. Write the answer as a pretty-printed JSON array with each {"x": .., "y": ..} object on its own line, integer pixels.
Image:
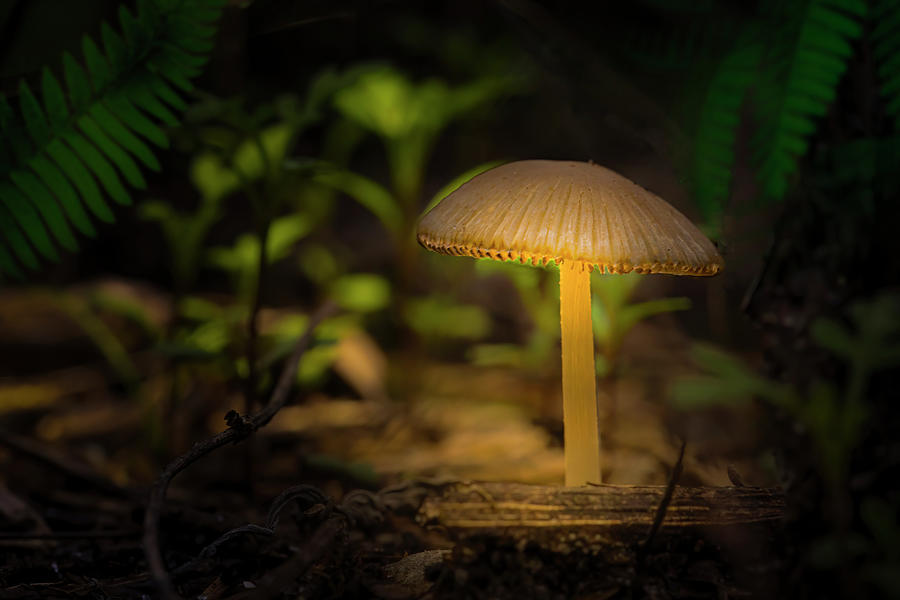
[{"x": 594, "y": 519}]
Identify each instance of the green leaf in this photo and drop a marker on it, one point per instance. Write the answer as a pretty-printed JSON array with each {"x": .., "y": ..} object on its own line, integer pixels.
[
  {"x": 284, "y": 232},
  {"x": 128, "y": 114},
  {"x": 8, "y": 264},
  {"x": 43, "y": 200},
  {"x": 80, "y": 176},
  {"x": 13, "y": 236},
  {"x": 144, "y": 97},
  {"x": 59, "y": 185},
  {"x": 814, "y": 45},
  {"x": 127, "y": 167},
  {"x": 172, "y": 71},
  {"x": 35, "y": 121},
  {"x": 361, "y": 292},
  {"x": 99, "y": 165},
  {"x": 109, "y": 123},
  {"x": 54, "y": 100},
  {"x": 458, "y": 181},
  {"x": 116, "y": 51},
  {"x": 167, "y": 94},
  {"x": 136, "y": 31},
  {"x": 368, "y": 193},
  {"x": 77, "y": 83},
  {"x": 23, "y": 211},
  {"x": 833, "y": 336},
  {"x": 97, "y": 67},
  {"x": 632, "y": 314}
]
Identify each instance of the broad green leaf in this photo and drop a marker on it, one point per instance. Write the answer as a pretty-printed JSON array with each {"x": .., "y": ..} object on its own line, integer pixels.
[
  {"x": 458, "y": 181},
  {"x": 284, "y": 232},
  {"x": 368, "y": 193},
  {"x": 211, "y": 178},
  {"x": 267, "y": 148},
  {"x": 437, "y": 317},
  {"x": 361, "y": 292}
]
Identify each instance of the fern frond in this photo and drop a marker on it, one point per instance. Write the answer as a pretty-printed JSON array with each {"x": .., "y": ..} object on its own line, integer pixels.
[
  {"x": 62, "y": 156},
  {"x": 806, "y": 61},
  {"x": 713, "y": 155},
  {"x": 886, "y": 49}
]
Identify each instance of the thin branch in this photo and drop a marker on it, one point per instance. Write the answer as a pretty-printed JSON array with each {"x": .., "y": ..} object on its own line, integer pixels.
[{"x": 239, "y": 428}]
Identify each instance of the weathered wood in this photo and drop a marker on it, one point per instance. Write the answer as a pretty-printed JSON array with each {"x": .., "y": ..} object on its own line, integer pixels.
[{"x": 594, "y": 519}]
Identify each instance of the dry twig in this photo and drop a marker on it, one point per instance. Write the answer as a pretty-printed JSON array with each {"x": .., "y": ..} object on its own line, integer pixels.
[{"x": 239, "y": 428}]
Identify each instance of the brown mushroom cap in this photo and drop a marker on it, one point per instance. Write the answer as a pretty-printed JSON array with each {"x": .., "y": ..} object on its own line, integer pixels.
[{"x": 546, "y": 210}]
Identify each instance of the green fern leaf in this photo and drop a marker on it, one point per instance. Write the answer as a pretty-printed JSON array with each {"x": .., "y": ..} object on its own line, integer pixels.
[
  {"x": 78, "y": 173},
  {"x": 16, "y": 240},
  {"x": 123, "y": 160},
  {"x": 116, "y": 51},
  {"x": 121, "y": 107},
  {"x": 97, "y": 67},
  {"x": 101, "y": 168},
  {"x": 886, "y": 49},
  {"x": 720, "y": 113},
  {"x": 8, "y": 265},
  {"x": 123, "y": 136},
  {"x": 77, "y": 83},
  {"x": 808, "y": 58},
  {"x": 54, "y": 153},
  {"x": 42, "y": 199},
  {"x": 54, "y": 100},
  {"x": 59, "y": 185},
  {"x": 28, "y": 219},
  {"x": 167, "y": 94},
  {"x": 35, "y": 120}
]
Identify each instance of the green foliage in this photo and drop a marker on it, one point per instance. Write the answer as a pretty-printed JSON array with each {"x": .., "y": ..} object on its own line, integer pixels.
[
  {"x": 886, "y": 48},
  {"x": 241, "y": 260},
  {"x": 782, "y": 60},
  {"x": 804, "y": 61},
  {"x": 832, "y": 417},
  {"x": 612, "y": 316},
  {"x": 61, "y": 156},
  {"x": 441, "y": 318},
  {"x": 716, "y": 132},
  {"x": 408, "y": 117}
]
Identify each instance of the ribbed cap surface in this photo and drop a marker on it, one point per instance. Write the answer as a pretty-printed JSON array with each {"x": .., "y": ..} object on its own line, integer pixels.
[{"x": 545, "y": 210}]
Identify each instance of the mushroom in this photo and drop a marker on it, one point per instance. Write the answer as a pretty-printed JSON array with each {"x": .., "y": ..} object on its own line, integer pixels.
[{"x": 579, "y": 216}]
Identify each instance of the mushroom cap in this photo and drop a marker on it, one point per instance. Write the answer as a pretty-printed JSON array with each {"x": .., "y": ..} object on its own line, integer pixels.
[{"x": 547, "y": 210}]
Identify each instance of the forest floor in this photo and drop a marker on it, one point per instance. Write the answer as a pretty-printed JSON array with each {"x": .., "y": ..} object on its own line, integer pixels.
[{"x": 324, "y": 501}]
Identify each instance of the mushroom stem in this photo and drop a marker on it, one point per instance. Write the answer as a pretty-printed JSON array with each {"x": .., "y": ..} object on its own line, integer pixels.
[{"x": 581, "y": 422}]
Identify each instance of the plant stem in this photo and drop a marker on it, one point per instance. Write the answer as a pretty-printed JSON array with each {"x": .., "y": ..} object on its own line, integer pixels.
[
  {"x": 580, "y": 412},
  {"x": 252, "y": 317}
]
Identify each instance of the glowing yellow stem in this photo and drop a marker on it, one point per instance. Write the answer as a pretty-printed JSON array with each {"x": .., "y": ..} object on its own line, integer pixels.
[{"x": 580, "y": 416}]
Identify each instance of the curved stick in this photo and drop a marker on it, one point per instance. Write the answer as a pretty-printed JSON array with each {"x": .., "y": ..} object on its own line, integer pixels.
[{"x": 239, "y": 428}]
